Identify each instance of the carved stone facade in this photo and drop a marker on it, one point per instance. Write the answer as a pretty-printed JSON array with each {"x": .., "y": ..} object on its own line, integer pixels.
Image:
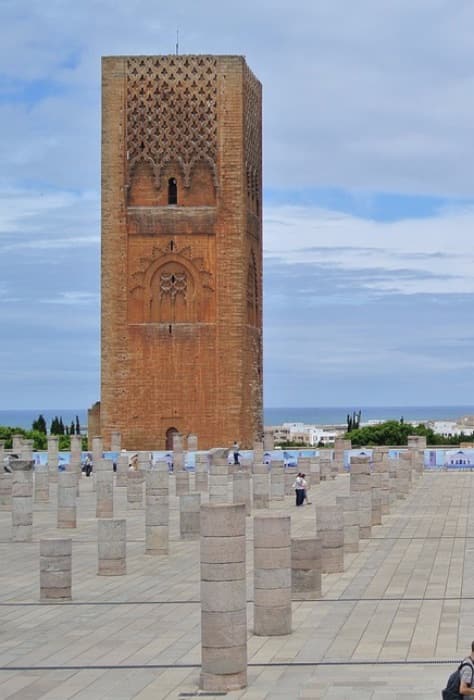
[{"x": 181, "y": 250}]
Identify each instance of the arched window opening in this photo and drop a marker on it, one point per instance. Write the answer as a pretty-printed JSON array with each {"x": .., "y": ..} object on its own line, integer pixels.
[
  {"x": 172, "y": 191},
  {"x": 169, "y": 438}
]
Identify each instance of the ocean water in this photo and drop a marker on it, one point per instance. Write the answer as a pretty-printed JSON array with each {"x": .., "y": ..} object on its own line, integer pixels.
[
  {"x": 272, "y": 416},
  {"x": 337, "y": 415}
]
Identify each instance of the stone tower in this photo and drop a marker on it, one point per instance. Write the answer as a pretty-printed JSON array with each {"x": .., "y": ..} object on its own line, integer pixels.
[{"x": 181, "y": 250}]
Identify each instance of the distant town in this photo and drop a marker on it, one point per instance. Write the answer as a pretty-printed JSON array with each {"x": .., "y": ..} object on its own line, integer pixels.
[{"x": 325, "y": 435}]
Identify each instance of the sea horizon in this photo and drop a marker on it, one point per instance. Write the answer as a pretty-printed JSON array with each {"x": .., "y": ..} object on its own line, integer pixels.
[{"x": 273, "y": 415}]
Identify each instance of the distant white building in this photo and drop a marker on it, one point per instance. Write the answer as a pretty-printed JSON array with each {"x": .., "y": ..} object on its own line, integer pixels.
[
  {"x": 450, "y": 428},
  {"x": 311, "y": 435}
]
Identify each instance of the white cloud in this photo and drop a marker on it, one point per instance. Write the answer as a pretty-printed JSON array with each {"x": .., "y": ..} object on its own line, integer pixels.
[{"x": 435, "y": 254}]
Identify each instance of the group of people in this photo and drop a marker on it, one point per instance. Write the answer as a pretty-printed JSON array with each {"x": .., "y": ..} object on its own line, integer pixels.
[{"x": 300, "y": 486}]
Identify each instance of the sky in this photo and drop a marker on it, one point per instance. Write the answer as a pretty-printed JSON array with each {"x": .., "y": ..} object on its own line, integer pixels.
[{"x": 368, "y": 191}]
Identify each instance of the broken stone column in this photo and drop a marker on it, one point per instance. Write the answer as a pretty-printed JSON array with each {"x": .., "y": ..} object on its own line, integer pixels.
[
  {"x": 2, "y": 451},
  {"x": 258, "y": 452},
  {"x": 104, "y": 484},
  {"x": 365, "y": 513},
  {"x": 97, "y": 457},
  {"x": 53, "y": 458},
  {"x": 404, "y": 468},
  {"x": 144, "y": 461},
  {"x": 305, "y": 568},
  {"x": 261, "y": 486},
  {"x": 182, "y": 482},
  {"x": 111, "y": 540},
  {"x": 189, "y": 515},
  {"x": 115, "y": 441},
  {"x": 272, "y": 575},
  {"x": 178, "y": 453},
  {"x": 380, "y": 471},
  {"x": 376, "y": 499},
  {"x": 360, "y": 475},
  {"x": 5, "y": 491},
  {"x": 135, "y": 489},
  {"x": 241, "y": 489},
  {"x": 417, "y": 445},
  {"x": 325, "y": 465},
  {"x": 314, "y": 471},
  {"x": 55, "y": 569},
  {"x": 157, "y": 510},
  {"x": 122, "y": 469},
  {"x": 22, "y": 501},
  {"x": 67, "y": 482},
  {"x": 268, "y": 440},
  {"x": 223, "y": 598},
  {"x": 76, "y": 455},
  {"x": 277, "y": 481},
  {"x": 339, "y": 448},
  {"x": 192, "y": 443},
  {"x": 218, "y": 476},
  {"x": 304, "y": 465},
  {"x": 26, "y": 450},
  {"x": 290, "y": 475},
  {"x": 201, "y": 474},
  {"x": 330, "y": 529},
  {"x": 350, "y": 510},
  {"x": 17, "y": 443},
  {"x": 41, "y": 481}
]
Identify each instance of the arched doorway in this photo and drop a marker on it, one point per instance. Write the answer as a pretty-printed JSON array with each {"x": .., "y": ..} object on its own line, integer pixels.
[{"x": 169, "y": 438}]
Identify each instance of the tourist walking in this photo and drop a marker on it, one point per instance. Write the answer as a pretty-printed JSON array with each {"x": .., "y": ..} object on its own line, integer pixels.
[
  {"x": 299, "y": 487},
  {"x": 305, "y": 486},
  {"x": 235, "y": 451}
]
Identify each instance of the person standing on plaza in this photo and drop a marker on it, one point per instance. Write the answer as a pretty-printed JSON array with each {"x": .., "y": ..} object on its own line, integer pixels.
[
  {"x": 299, "y": 487},
  {"x": 235, "y": 451},
  {"x": 466, "y": 687}
]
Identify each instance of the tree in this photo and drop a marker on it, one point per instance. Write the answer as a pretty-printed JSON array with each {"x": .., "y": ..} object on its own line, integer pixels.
[
  {"x": 40, "y": 424},
  {"x": 353, "y": 422},
  {"x": 71, "y": 428},
  {"x": 78, "y": 426}
]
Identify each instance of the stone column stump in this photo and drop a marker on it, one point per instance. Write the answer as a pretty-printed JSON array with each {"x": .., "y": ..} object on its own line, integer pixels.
[
  {"x": 22, "y": 501},
  {"x": 201, "y": 482},
  {"x": 112, "y": 543},
  {"x": 55, "y": 569},
  {"x": 305, "y": 568},
  {"x": 365, "y": 514},
  {"x": 261, "y": 486},
  {"x": 157, "y": 510},
  {"x": 66, "y": 516},
  {"x": 190, "y": 515},
  {"x": 241, "y": 490},
  {"x": 330, "y": 529},
  {"x": 218, "y": 483},
  {"x": 135, "y": 489},
  {"x": 272, "y": 575},
  {"x": 290, "y": 475},
  {"x": 122, "y": 470},
  {"x": 6, "y": 481},
  {"x": 350, "y": 510},
  {"x": 223, "y": 598},
  {"x": 41, "y": 481},
  {"x": 182, "y": 482},
  {"x": 104, "y": 484},
  {"x": 277, "y": 481},
  {"x": 53, "y": 458}
]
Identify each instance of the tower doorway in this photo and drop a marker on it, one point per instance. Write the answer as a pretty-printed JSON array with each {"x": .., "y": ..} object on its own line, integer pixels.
[{"x": 169, "y": 438}]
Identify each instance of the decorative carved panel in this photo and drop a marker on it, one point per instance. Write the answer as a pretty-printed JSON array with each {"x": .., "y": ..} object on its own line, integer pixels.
[
  {"x": 170, "y": 286},
  {"x": 171, "y": 113},
  {"x": 253, "y": 138}
]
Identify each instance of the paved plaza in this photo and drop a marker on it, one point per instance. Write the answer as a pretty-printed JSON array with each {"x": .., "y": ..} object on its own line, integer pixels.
[{"x": 391, "y": 626}]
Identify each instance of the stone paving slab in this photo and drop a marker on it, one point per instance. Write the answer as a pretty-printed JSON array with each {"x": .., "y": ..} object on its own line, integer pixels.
[{"x": 405, "y": 599}]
